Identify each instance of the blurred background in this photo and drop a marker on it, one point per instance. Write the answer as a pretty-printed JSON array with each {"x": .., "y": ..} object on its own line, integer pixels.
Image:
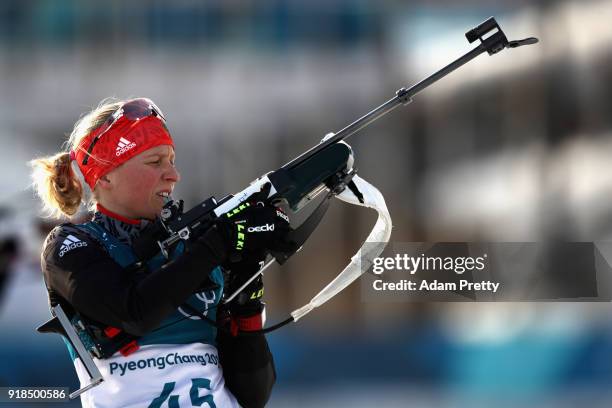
[{"x": 513, "y": 147}]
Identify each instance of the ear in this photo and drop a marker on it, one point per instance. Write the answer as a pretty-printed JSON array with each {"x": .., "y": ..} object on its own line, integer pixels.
[{"x": 104, "y": 182}]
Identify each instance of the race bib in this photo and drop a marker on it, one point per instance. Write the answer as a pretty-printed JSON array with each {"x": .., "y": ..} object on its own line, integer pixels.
[{"x": 173, "y": 376}]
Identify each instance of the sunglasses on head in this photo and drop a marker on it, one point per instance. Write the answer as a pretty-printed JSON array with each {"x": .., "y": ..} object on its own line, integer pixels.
[{"x": 133, "y": 110}]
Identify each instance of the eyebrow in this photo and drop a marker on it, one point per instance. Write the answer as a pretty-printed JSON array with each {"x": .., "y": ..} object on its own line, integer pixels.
[{"x": 159, "y": 155}]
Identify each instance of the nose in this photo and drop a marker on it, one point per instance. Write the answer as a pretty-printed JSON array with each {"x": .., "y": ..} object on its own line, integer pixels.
[{"x": 172, "y": 174}]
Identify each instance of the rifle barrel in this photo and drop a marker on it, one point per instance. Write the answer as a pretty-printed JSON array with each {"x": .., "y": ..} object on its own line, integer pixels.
[{"x": 403, "y": 96}]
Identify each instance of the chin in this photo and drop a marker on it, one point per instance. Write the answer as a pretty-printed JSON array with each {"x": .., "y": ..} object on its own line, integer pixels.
[
  {"x": 153, "y": 215},
  {"x": 147, "y": 215}
]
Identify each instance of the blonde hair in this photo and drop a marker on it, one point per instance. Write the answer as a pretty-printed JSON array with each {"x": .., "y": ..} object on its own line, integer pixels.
[{"x": 58, "y": 184}]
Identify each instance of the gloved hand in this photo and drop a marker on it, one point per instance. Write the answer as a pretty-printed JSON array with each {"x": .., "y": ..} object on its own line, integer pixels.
[
  {"x": 246, "y": 309},
  {"x": 254, "y": 228},
  {"x": 248, "y": 302}
]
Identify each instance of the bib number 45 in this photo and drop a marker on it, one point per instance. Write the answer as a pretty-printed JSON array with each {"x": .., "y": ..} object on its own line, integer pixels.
[{"x": 197, "y": 384}]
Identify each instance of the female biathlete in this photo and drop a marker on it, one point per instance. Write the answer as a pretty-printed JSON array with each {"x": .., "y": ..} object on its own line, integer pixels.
[{"x": 161, "y": 335}]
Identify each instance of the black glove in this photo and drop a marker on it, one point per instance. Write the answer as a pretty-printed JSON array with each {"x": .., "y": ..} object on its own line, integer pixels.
[
  {"x": 248, "y": 301},
  {"x": 246, "y": 310},
  {"x": 254, "y": 228}
]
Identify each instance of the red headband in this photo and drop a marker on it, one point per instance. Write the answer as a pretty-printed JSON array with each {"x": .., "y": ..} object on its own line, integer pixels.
[{"x": 124, "y": 139}]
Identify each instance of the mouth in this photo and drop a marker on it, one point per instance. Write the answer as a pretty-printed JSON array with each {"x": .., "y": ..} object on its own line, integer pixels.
[{"x": 165, "y": 195}]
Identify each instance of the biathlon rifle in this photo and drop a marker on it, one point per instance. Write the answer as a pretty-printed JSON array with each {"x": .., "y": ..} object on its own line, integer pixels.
[{"x": 326, "y": 168}]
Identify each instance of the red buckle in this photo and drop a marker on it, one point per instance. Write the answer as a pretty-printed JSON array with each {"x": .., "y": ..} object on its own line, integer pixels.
[
  {"x": 129, "y": 348},
  {"x": 111, "y": 331},
  {"x": 251, "y": 323}
]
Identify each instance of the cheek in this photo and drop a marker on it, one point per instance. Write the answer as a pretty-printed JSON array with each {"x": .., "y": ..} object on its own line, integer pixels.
[{"x": 140, "y": 185}]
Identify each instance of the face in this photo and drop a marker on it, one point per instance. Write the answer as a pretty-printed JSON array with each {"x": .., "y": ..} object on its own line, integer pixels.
[{"x": 136, "y": 188}]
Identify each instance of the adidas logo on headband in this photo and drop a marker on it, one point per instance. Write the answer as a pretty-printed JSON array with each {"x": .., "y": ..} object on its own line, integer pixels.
[{"x": 123, "y": 146}]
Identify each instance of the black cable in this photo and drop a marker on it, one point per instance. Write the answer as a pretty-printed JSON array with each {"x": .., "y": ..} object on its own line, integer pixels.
[{"x": 240, "y": 332}]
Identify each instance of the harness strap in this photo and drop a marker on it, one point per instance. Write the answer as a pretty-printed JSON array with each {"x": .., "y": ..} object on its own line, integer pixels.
[{"x": 107, "y": 340}]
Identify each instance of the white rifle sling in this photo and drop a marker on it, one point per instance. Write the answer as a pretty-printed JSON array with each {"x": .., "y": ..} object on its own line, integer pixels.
[{"x": 372, "y": 247}]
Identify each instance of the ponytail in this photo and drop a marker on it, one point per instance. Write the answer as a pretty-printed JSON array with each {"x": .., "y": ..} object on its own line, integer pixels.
[{"x": 57, "y": 184}]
